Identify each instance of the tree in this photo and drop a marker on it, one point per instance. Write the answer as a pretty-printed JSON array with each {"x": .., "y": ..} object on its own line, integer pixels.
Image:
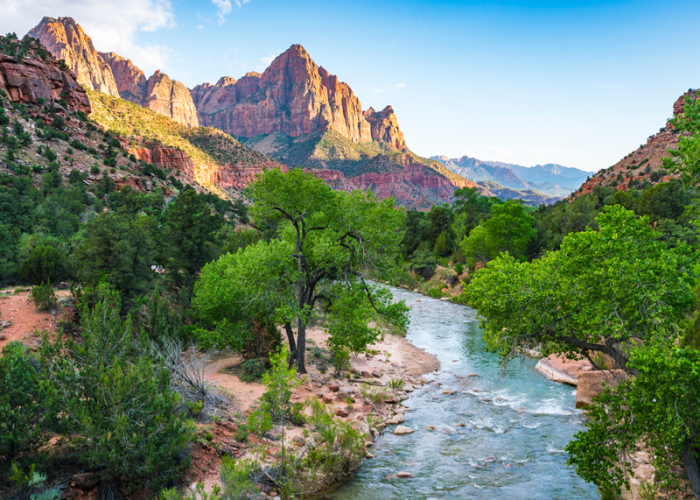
[
  {"x": 188, "y": 236},
  {"x": 686, "y": 159},
  {"x": 43, "y": 265},
  {"x": 509, "y": 229},
  {"x": 325, "y": 244},
  {"x": 470, "y": 209},
  {"x": 659, "y": 408},
  {"x": 603, "y": 291}
]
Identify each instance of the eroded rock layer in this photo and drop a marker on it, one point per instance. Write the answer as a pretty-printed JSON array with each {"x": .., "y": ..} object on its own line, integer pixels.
[{"x": 66, "y": 40}]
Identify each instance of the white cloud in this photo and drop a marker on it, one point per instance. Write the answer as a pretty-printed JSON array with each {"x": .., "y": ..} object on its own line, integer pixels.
[
  {"x": 268, "y": 60},
  {"x": 503, "y": 151},
  {"x": 113, "y": 26},
  {"x": 200, "y": 27},
  {"x": 223, "y": 7}
]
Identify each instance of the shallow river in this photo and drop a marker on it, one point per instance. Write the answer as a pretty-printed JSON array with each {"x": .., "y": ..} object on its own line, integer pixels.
[{"x": 516, "y": 424}]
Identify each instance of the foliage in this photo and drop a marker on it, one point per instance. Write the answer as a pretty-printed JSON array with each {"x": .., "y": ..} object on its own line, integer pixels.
[
  {"x": 341, "y": 361},
  {"x": 253, "y": 369},
  {"x": 660, "y": 408},
  {"x": 43, "y": 265},
  {"x": 27, "y": 406},
  {"x": 602, "y": 290},
  {"x": 44, "y": 297},
  {"x": 116, "y": 405},
  {"x": 236, "y": 478}
]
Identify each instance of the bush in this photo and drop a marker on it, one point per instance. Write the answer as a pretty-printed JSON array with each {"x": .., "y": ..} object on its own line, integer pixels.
[
  {"x": 43, "y": 265},
  {"x": 118, "y": 407},
  {"x": 44, "y": 297},
  {"x": 26, "y": 406},
  {"x": 253, "y": 369},
  {"x": 236, "y": 478},
  {"x": 459, "y": 269},
  {"x": 341, "y": 361}
]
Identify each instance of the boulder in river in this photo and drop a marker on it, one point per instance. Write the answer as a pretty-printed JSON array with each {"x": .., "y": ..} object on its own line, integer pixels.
[
  {"x": 592, "y": 383},
  {"x": 559, "y": 369},
  {"x": 402, "y": 430}
]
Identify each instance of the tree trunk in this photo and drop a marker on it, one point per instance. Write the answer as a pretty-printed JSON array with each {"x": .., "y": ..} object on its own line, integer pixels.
[
  {"x": 301, "y": 346},
  {"x": 292, "y": 344},
  {"x": 689, "y": 455}
]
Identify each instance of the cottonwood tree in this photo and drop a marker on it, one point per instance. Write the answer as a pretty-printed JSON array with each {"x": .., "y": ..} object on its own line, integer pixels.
[
  {"x": 603, "y": 291},
  {"x": 325, "y": 245}
]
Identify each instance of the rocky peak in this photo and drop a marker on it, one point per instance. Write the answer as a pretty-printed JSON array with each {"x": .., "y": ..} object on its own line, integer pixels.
[
  {"x": 385, "y": 127},
  {"x": 66, "y": 40},
  {"x": 170, "y": 98},
  {"x": 293, "y": 96}
]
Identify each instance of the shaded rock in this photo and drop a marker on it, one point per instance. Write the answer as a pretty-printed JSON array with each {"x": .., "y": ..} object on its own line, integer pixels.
[
  {"x": 592, "y": 383},
  {"x": 559, "y": 369},
  {"x": 341, "y": 413},
  {"x": 333, "y": 387},
  {"x": 85, "y": 480}
]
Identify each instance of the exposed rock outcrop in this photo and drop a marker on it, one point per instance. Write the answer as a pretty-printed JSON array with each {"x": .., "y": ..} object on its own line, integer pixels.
[
  {"x": 170, "y": 98},
  {"x": 293, "y": 96},
  {"x": 385, "y": 127},
  {"x": 29, "y": 80},
  {"x": 592, "y": 383},
  {"x": 131, "y": 82},
  {"x": 66, "y": 40},
  {"x": 560, "y": 369}
]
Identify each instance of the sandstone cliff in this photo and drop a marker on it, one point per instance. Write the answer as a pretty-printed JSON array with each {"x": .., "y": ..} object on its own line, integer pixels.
[
  {"x": 66, "y": 40},
  {"x": 293, "y": 96},
  {"x": 170, "y": 98},
  {"x": 131, "y": 82},
  {"x": 33, "y": 78}
]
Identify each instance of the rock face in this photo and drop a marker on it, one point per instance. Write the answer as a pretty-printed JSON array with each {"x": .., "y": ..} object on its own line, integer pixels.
[
  {"x": 33, "y": 79},
  {"x": 112, "y": 74},
  {"x": 590, "y": 384},
  {"x": 66, "y": 40},
  {"x": 559, "y": 369},
  {"x": 293, "y": 96},
  {"x": 385, "y": 127},
  {"x": 131, "y": 82},
  {"x": 170, "y": 98}
]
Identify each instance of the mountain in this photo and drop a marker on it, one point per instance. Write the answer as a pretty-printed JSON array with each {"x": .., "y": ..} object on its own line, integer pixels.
[
  {"x": 550, "y": 179},
  {"x": 643, "y": 165},
  {"x": 293, "y": 96},
  {"x": 113, "y": 75},
  {"x": 66, "y": 40}
]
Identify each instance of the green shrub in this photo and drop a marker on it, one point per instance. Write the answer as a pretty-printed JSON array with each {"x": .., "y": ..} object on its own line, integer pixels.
[
  {"x": 459, "y": 269},
  {"x": 253, "y": 369},
  {"x": 435, "y": 293},
  {"x": 118, "y": 406},
  {"x": 341, "y": 361},
  {"x": 236, "y": 478},
  {"x": 44, "y": 297},
  {"x": 43, "y": 265},
  {"x": 26, "y": 405}
]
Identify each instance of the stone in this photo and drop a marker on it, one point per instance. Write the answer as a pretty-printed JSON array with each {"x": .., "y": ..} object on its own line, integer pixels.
[
  {"x": 365, "y": 374},
  {"x": 62, "y": 286},
  {"x": 368, "y": 455},
  {"x": 592, "y": 383},
  {"x": 85, "y": 480},
  {"x": 449, "y": 392},
  {"x": 559, "y": 369},
  {"x": 333, "y": 387},
  {"x": 396, "y": 419},
  {"x": 328, "y": 398},
  {"x": 473, "y": 375},
  {"x": 343, "y": 396},
  {"x": 404, "y": 475},
  {"x": 376, "y": 374},
  {"x": 341, "y": 413},
  {"x": 403, "y": 430},
  {"x": 3, "y": 336},
  {"x": 299, "y": 440}
]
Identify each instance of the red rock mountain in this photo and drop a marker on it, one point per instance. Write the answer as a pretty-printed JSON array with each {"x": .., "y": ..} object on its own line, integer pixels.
[
  {"x": 293, "y": 96},
  {"x": 112, "y": 74},
  {"x": 640, "y": 165},
  {"x": 33, "y": 78},
  {"x": 66, "y": 40}
]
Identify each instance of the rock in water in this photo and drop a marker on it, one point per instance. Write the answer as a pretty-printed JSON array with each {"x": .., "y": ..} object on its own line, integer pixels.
[{"x": 403, "y": 430}]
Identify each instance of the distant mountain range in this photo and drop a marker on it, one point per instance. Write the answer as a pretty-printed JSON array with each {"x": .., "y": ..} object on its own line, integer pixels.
[{"x": 552, "y": 179}]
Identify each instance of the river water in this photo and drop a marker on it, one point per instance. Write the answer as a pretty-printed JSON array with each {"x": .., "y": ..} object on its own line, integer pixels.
[{"x": 517, "y": 424}]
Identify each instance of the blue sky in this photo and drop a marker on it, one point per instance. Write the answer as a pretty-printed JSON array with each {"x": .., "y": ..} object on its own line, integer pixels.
[{"x": 576, "y": 83}]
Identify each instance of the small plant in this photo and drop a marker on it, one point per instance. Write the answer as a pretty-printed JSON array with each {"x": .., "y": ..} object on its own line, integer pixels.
[
  {"x": 44, "y": 297},
  {"x": 459, "y": 269},
  {"x": 395, "y": 384},
  {"x": 199, "y": 493},
  {"x": 341, "y": 361},
  {"x": 236, "y": 478},
  {"x": 435, "y": 293},
  {"x": 253, "y": 369},
  {"x": 372, "y": 394}
]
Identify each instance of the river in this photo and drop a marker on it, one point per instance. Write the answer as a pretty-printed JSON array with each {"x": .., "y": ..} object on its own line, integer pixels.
[{"x": 516, "y": 424}]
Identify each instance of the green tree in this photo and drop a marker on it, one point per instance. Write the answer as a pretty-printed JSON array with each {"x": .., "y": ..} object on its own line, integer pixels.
[
  {"x": 188, "y": 237},
  {"x": 509, "y": 229},
  {"x": 603, "y": 291},
  {"x": 43, "y": 265},
  {"x": 443, "y": 245},
  {"x": 470, "y": 209},
  {"x": 325, "y": 244},
  {"x": 659, "y": 408},
  {"x": 116, "y": 406}
]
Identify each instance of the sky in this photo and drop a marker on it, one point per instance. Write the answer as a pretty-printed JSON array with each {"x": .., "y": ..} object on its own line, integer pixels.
[{"x": 578, "y": 83}]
